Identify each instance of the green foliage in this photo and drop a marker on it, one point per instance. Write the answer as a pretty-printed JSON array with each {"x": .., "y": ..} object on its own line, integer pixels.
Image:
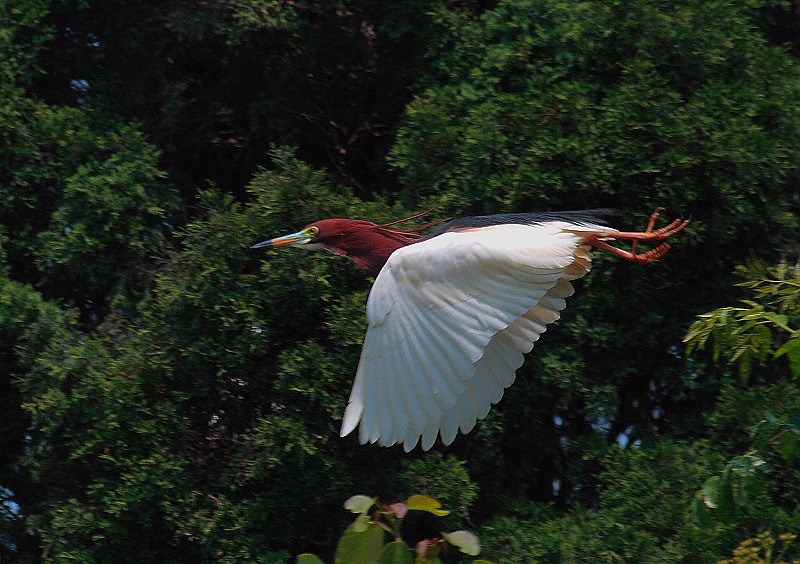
[
  {"x": 360, "y": 543},
  {"x": 783, "y": 432},
  {"x": 218, "y": 82},
  {"x": 765, "y": 548},
  {"x": 440, "y": 477},
  {"x": 247, "y": 388},
  {"x": 741, "y": 479},
  {"x": 22, "y": 35},
  {"x": 365, "y": 540},
  {"x": 748, "y": 337},
  {"x": 98, "y": 198},
  {"x": 734, "y": 334},
  {"x": 540, "y": 103},
  {"x": 166, "y": 388},
  {"x": 110, "y": 423},
  {"x": 745, "y": 335},
  {"x": 27, "y": 324},
  {"x": 643, "y": 498},
  {"x": 82, "y": 198},
  {"x": 762, "y": 331}
]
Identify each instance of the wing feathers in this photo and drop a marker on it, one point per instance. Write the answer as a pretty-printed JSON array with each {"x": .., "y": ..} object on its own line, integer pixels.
[
  {"x": 450, "y": 321},
  {"x": 449, "y": 426}
]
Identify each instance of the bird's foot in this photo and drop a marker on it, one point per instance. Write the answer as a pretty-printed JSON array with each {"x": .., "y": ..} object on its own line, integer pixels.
[{"x": 599, "y": 239}]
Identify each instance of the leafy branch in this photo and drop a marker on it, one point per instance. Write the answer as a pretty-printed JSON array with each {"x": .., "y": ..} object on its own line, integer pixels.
[
  {"x": 743, "y": 335},
  {"x": 758, "y": 331},
  {"x": 364, "y": 540}
]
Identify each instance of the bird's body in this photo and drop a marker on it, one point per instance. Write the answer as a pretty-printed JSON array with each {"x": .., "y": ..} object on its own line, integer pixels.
[{"x": 452, "y": 314}]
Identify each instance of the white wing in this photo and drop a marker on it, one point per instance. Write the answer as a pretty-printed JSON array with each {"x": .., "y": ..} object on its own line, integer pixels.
[{"x": 450, "y": 319}]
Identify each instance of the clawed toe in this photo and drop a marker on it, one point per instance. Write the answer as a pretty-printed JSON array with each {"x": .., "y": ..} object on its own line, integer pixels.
[{"x": 671, "y": 229}]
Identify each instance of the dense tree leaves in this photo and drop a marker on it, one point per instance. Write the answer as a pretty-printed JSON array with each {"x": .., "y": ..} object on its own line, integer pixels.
[
  {"x": 83, "y": 202},
  {"x": 27, "y": 322},
  {"x": 169, "y": 393},
  {"x": 217, "y": 82}
]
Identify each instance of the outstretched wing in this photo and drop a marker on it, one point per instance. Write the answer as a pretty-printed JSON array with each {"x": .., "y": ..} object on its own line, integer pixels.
[{"x": 450, "y": 319}]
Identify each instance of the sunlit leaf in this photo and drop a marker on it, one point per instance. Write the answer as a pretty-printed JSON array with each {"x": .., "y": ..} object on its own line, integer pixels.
[
  {"x": 361, "y": 524},
  {"x": 711, "y": 492},
  {"x": 360, "y": 547},
  {"x": 359, "y": 503},
  {"x": 425, "y": 503},
  {"x": 465, "y": 541},
  {"x": 308, "y": 559},
  {"x": 791, "y": 349}
]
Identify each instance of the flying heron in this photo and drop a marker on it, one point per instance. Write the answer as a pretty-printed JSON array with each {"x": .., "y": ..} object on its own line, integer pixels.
[{"x": 452, "y": 313}]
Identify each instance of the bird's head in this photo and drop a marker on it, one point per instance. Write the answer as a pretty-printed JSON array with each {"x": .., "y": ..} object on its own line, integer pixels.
[{"x": 365, "y": 243}]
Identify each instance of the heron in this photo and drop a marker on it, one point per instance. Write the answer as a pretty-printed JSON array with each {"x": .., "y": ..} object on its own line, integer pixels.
[{"x": 451, "y": 314}]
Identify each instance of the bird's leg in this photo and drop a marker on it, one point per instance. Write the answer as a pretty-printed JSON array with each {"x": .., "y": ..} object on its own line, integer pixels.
[
  {"x": 648, "y": 256},
  {"x": 599, "y": 239}
]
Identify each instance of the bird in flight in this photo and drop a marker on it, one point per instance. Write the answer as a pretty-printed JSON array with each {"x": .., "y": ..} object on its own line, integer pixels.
[{"x": 452, "y": 313}]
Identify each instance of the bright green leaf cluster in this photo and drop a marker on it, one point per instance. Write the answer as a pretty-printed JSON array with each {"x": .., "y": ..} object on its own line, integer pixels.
[
  {"x": 365, "y": 540},
  {"x": 762, "y": 331}
]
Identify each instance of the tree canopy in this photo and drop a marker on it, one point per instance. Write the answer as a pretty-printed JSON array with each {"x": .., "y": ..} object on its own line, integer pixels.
[{"x": 169, "y": 394}]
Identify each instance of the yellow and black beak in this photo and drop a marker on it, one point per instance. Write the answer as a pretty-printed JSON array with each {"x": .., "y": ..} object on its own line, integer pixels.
[{"x": 291, "y": 240}]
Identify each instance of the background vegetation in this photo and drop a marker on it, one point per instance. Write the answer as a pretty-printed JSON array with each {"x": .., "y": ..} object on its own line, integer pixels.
[{"x": 169, "y": 395}]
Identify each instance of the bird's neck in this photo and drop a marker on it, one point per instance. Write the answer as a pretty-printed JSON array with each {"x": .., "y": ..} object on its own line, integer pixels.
[{"x": 370, "y": 249}]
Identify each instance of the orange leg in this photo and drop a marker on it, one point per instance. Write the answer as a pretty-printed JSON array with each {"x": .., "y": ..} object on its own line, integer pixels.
[{"x": 599, "y": 239}]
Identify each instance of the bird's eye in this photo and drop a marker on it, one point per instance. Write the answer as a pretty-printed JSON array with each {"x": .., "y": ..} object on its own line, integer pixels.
[{"x": 312, "y": 231}]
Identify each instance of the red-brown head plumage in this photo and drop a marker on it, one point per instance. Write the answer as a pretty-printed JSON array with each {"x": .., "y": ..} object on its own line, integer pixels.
[{"x": 365, "y": 243}]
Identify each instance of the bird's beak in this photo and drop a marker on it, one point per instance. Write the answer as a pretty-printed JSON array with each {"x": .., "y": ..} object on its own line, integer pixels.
[{"x": 293, "y": 240}]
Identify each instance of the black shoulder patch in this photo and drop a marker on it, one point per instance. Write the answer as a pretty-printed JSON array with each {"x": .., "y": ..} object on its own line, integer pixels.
[{"x": 597, "y": 216}]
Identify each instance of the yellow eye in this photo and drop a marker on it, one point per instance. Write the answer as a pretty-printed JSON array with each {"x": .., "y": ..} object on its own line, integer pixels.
[{"x": 312, "y": 231}]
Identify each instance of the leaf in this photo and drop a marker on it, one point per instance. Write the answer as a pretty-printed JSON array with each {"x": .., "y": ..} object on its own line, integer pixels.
[
  {"x": 747, "y": 465},
  {"x": 465, "y": 541},
  {"x": 359, "y": 504},
  {"x": 359, "y": 547},
  {"x": 777, "y": 318},
  {"x": 791, "y": 349},
  {"x": 361, "y": 524},
  {"x": 308, "y": 559},
  {"x": 425, "y": 503},
  {"x": 396, "y": 552},
  {"x": 701, "y": 512},
  {"x": 787, "y": 446},
  {"x": 712, "y": 492}
]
